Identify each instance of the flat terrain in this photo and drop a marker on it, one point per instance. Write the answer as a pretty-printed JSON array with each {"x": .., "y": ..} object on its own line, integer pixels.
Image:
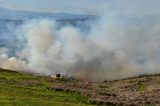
[{"x": 22, "y": 89}]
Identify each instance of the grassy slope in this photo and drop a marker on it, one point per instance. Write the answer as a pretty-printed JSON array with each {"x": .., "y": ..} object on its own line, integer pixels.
[{"x": 28, "y": 90}]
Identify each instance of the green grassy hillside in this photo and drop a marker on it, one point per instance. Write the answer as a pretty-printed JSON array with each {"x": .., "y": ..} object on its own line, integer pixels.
[{"x": 22, "y": 89}]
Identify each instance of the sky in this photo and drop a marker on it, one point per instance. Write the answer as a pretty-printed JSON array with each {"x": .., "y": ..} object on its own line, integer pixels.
[
  {"x": 135, "y": 7},
  {"x": 71, "y": 6}
]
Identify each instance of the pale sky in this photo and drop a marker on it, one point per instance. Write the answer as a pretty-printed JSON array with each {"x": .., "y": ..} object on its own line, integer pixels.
[{"x": 135, "y": 7}]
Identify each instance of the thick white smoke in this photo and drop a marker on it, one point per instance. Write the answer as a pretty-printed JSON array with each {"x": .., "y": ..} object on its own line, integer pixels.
[
  {"x": 115, "y": 47},
  {"x": 13, "y": 63}
]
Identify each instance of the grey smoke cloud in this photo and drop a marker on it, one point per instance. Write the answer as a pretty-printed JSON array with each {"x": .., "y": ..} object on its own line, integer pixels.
[
  {"x": 122, "y": 43},
  {"x": 113, "y": 49}
]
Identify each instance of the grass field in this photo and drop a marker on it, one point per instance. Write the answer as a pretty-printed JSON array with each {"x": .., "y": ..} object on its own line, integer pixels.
[{"x": 19, "y": 89}]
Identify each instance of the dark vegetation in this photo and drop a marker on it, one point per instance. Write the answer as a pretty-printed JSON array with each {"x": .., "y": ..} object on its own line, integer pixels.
[
  {"x": 136, "y": 91},
  {"x": 29, "y": 90}
]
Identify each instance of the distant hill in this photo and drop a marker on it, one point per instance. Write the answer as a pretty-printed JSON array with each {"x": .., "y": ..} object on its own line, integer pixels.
[{"x": 20, "y": 14}]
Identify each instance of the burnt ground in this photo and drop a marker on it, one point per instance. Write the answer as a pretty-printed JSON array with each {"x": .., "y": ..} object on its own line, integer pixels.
[{"x": 137, "y": 91}]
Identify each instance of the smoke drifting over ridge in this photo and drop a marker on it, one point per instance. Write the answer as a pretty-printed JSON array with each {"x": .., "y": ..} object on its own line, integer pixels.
[{"x": 114, "y": 47}]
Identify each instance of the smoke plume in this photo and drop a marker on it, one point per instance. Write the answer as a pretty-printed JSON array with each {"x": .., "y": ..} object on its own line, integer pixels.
[{"x": 115, "y": 46}]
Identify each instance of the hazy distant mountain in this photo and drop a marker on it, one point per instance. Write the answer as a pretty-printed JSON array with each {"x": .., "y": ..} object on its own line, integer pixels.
[{"x": 20, "y": 14}]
